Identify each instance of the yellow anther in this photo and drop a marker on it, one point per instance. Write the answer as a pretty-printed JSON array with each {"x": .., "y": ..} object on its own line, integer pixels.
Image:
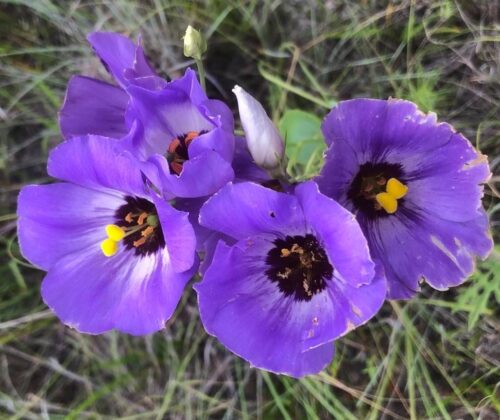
[
  {"x": 387, "y": 202},
  {"x": 109, "y": 247},
  {"x": 115, "y": 233},
  {"x": 396, "y": 188}
]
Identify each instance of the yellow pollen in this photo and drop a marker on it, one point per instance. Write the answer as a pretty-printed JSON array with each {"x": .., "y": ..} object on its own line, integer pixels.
[
  {"x": 387, "y": 202},
  {"x": 396, "y": 188},
  {"x": 115, "y": 233},
  {"x": 109, "y": 247}
]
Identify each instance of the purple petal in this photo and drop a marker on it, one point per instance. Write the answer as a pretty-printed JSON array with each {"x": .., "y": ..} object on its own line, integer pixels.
[
  {"x": 164, "y": 115},
  {"x": 353, "y": 306},
  {"x": 96, "y": 162},
  {"x": 246, "y": 209},
  {"x": 244, "y": 167},
  {"x": 179, "y": 235},
  {"x": 93, "y": 107},
  {"x": 451, "y": 189},
  {"x": 249, "y": 315},
  {"x": 201, "y": 176},
  {"x": 190, "y": 86},
  {"x": 217, "y": 140},
  {"x": 374, "y": 127},
  {"x": 94, "y": 294},
  {"x": 118, "y": 53},
  {"x": 60, "y": 219},
  {"x": 415, "y": 248},
  {"x": 218, "y": 109},
  {"x": 340, "y": 233}
]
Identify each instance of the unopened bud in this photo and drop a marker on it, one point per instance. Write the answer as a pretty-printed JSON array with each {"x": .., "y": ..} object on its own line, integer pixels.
[
  {"x": 263, "y": 139},
  {"x": 195, "y": 43}
]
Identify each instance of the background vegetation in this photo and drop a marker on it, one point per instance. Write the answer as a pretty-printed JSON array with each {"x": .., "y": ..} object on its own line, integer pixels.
[{"x": 436, "y": 356}]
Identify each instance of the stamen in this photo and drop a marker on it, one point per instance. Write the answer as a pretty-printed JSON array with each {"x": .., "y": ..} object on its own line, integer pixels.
[
  {"x": 109, "y": 247},
  {"x": 387, "y": 202},
  {"x": 190, "y": 136},
  {"x": 176, "y": 167},
  {"x": 143, "y": 216},
  {"x": 140, "y": 224},
  {"x": 285, "y": 252},
  {"x": 148, "y": 231},
  {"x": 174, "y": 144},
  {"x": 114, "y": 232},
  {"x": 140, "y": 242},
  {"x": 396, "y": 188}
]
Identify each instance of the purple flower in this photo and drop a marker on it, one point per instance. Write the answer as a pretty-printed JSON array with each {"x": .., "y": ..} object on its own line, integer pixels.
[
  {"x": 172, "y": 124},
  {"x": 295, "y": 276},
  {"x": 186, "y": 135},
  {"x": 92, "y": 106},
  {"x": 117, "y": 255},
  {"x": 415, "y": 186}
]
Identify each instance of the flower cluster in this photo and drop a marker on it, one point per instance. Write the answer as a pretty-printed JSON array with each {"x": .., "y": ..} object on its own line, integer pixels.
[{"x": 154, "y": 187}]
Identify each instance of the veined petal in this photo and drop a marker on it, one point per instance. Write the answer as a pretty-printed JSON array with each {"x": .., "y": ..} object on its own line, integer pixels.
[
  {"x": 96, "y": 162},
  {"x": 247, "y": 314},
  {"x": 61, "y": 219},
  {"x": 94, "y": 294},
  {"x": 438, "y": 251},
  {"x": 93, "y": 107}
]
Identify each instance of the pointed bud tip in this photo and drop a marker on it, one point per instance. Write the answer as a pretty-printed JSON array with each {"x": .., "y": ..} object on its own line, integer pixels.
[{"x": 263, "y": 139}]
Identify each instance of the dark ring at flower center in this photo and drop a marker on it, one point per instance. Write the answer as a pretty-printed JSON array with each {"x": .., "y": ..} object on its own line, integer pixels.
[
  {"x": 299, "y": 266},
  {"x": 177, "y": 152},
  {"x": 371, "y": 180},
  {"x": 139, "y": 217}
]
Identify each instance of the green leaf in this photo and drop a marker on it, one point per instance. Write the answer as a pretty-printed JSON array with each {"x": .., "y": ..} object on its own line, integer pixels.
[{"x": 304, "y": 142}]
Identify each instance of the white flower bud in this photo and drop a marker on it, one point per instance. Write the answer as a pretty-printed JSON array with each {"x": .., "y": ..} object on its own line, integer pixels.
[
  {"x": 195, "y": 43},
  {"x": 263, "y": 139}
]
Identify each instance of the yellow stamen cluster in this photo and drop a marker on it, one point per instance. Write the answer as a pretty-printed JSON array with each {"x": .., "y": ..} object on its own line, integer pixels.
[
  {"x": 115, "y": 234},
  {"x": 146, "y": 223},
  {"x": 394, "y": 191}
]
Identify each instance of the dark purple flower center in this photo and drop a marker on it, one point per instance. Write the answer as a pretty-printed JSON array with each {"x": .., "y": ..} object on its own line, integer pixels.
[
  {"x": 139, "y": 219},
  {"x": 299, "y": 265},
  {"x": 371, "y": 180},
  {"x": 274, "y": 185},
  {"x": 177, "y": 152}
]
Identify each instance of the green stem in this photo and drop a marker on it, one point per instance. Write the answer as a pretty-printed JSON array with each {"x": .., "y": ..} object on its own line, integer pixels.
[{"x": 201, "y": 73}]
